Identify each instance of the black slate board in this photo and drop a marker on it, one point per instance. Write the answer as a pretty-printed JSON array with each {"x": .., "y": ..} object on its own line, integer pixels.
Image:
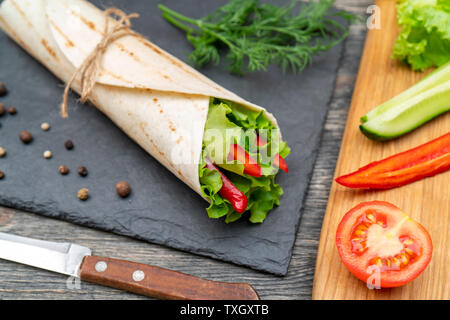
[{"x": 161, "y": 208}]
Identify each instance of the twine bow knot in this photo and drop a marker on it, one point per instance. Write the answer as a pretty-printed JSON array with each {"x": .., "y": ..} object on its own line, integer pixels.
[{"x": 90, "y": 66}]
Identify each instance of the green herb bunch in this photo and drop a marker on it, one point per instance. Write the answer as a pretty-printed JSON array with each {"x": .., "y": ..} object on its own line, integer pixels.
[{"x": 258, "y": 35}]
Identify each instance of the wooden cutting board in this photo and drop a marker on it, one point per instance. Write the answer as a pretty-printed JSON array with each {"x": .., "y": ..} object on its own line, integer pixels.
[{"x": 426, "y": 201}]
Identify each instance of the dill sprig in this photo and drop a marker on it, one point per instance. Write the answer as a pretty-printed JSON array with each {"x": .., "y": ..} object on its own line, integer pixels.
[{"x": 257, "y": 35}]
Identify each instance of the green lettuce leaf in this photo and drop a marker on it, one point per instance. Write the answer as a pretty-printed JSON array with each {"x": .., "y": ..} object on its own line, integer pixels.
[
  {"x": 424, "y": 40},
  {"x": 263, "y": 193}
]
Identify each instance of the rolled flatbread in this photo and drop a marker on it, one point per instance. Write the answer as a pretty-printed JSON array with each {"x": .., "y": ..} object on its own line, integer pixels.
[{"x": 156, "y": 99}]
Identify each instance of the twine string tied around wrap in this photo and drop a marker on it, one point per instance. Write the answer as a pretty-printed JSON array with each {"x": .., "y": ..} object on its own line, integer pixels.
[{"x": 90, "y": 66}]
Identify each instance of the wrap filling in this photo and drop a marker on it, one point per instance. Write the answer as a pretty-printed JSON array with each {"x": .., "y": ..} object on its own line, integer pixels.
[{"x": 241, "y": 155}]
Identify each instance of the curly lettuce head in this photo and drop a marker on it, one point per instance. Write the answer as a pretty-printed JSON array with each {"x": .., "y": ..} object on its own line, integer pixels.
[{"x": 424, "y": 39}]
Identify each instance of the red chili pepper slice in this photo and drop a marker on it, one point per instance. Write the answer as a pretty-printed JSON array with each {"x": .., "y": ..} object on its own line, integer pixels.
[
  {"x": 423, "y": 161},
  {"x": 251, "y": 166},
  {"x": 278, "y": 160},
  {"x": 229, "y": 191}
]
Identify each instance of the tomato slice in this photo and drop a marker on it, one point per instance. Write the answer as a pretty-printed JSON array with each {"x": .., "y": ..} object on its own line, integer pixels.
[{"x": 379, "y": 243}]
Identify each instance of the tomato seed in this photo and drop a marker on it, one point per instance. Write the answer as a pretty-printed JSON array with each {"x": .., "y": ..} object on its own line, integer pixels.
[
  {"x": 405, "y": 259},
  {"x": 395, "y": 262},
  {"x": 408, "y": 242}
]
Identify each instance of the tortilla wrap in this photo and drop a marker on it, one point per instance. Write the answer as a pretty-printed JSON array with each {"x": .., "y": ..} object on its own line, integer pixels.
[{"x": 156, "y": 99}]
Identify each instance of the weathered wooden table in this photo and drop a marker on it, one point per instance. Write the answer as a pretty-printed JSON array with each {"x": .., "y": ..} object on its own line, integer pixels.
[{"x": 22, "y": 282}]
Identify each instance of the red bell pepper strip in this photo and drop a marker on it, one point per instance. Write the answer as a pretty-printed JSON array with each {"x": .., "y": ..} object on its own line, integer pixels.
[
  {"x": 229, "y": 191},
  {"x": 280, "y": 163},
  {"x": 423, "y": 161},
  {"x": 278, "y": 160},
  {"x": 251, "y": 166}
]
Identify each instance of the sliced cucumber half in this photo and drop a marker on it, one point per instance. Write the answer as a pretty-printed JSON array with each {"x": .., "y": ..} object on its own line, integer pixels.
[{"x": 405, "y": 116}]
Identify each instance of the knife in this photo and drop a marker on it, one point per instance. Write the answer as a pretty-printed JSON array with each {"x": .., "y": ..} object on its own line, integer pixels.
[{"x": 156, "y": 282}]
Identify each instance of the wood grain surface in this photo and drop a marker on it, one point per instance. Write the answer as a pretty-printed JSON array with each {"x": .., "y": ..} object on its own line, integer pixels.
[
  {"x": 426, "y": 201},
  {"x": 22, "y": 282}
]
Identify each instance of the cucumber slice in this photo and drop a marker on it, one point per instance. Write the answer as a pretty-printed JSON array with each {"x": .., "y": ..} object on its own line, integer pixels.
[
  {"x": 408, "y": 115},
  {"x": 435, "y": 78}
]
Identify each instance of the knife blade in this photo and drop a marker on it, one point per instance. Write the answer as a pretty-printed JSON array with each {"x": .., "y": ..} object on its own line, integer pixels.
[{"x": 156, "y": 282}]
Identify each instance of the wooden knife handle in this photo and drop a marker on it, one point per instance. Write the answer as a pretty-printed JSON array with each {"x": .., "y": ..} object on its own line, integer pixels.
[{"x": 158, "y": 282}]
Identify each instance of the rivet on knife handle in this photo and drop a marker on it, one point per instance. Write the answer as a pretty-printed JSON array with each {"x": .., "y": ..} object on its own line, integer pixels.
[{"x": 158, "y": 282}]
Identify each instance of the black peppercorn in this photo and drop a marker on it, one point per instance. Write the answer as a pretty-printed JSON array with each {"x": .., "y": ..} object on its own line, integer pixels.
[
  {"x": 3, "y": 90},
  {"x": 26, "y": 137},
  {"x": 63, "y": 170},
  {"x": 123, "y": 189},
  {"x": 2, "y": 109},
  {"x": 1, "y": 174},
  {"x": 82, "y": 171},
  {"x": 68, "y": 144},
  {"x": 12, "y": 110}
]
